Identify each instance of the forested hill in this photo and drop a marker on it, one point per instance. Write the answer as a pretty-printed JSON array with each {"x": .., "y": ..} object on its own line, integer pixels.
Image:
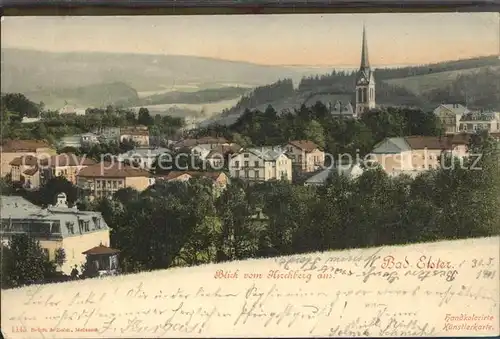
[{"x": 474, "y": 81}]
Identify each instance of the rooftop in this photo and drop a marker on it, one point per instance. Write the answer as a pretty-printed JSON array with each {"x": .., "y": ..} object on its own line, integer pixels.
[
  {"x": 113, "y": 169},
  {"x": 23, "y": 145},
  {"x": 304, "y": 145},
  {"x": 59, "y": 220},
  {"x": 67, "y": 159},
  {"x": 25, "y": 160},
  {"x": 101, "y": 249},
  {"x": 267, "y": 153}
]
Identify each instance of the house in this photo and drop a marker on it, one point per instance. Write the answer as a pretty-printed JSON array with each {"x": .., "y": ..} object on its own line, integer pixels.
[
  {"x": 25, "y": 170},
  {"x": 306, "y": 155},
  {"x": 414, "y": 154},
  {"x": 102, "y": 260},
  {"x": 219, "y": 179},
  {"x": 12, "y": 149},
  {"x": 66, "y": 165},
  {"x": 105, "y": 178},
  {"x": 55, "y": 227},
  {"x": 89, "y": 138},
  {"x": 143, "y": 157},
  {"x": 261, "y": 164},
  {"x": 201, "y": 151},
  {"x": 351, "y": 171},
  {"x": 480, "y": 121},
  {"x": 450, "y": 115},
  {"x": 138, "y": 134},
  {"x": 219, "y": 156}
]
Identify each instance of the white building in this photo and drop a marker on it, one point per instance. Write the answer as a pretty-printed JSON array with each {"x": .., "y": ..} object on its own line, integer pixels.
[
  {"x": 450, "y": 115},
  {"x": 480, "y": 121},
  {"x": 261, "y": 164}
]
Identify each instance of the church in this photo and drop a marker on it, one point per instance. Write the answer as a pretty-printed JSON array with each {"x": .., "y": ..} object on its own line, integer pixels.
[
  {"x": 365, "y": 82},
  {"x": 363, "y": 96}
]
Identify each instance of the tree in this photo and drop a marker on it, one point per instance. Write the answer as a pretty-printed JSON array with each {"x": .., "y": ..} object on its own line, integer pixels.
[
  {"x": 17, "y": 102},
  {"x": 54, "y": 186},
  {"x": 60, "y": 257},
  {"x": 144, "y": 118},
  {"x": 26, "y": 263}
]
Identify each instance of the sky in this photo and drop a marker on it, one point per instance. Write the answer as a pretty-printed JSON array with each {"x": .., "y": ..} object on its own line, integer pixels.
[{"x": 293, "y": 39}]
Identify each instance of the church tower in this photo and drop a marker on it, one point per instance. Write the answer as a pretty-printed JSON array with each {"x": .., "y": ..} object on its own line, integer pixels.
[{"x": 365, "y": 82}]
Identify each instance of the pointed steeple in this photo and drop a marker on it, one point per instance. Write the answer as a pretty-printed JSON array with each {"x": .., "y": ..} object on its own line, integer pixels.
[{"x": 365, "y": 62}]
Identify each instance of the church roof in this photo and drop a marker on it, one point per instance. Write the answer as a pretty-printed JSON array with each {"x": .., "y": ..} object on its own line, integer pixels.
[{"x": 365, "y": 61}]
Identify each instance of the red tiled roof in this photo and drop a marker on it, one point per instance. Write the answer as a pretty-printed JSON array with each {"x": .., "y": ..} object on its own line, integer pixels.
[
  {"x": 67, "y": 159},
  {"x": 432, "y": 142},
  {"x": 305, "y": 145},
  {"x": 25, "y": 160},
  {"x": 112, "y": 170},
  {"x": 23, "y": 145},
  {"x": 101, "y": 249}
]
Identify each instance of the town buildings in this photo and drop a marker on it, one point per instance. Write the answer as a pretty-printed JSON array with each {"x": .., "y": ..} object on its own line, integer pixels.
[
  {"x": 306, "y": 155},
  {"x": 414, "y": 154},
  {"x": 66, "y": 165},
  {"x": 55, "y": 227},
  {"x": 450, "y": 115},
  {"x": 351, "y": 171},
  {"x": 25, "y": 170},
  {"x": 143, "y": 157},
  {"x": 219, "y": 179},
  {"x": 12, "y": 149},
  {"x": 261, "y": 164},
  {"x": 479, "y": 121},
  {"x": 137, "y": 134},
  {"x": 105, "y": 178}
]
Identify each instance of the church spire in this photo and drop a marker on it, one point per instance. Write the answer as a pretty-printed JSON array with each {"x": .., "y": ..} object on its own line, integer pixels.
[{"x": 365, "y": 62}]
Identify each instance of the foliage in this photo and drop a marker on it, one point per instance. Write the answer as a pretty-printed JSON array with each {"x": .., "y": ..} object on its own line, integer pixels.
[
  {"x": 24, "y": 262},
  {"x": 60, "y": 256},
  {"x": 183, "y": 223}
]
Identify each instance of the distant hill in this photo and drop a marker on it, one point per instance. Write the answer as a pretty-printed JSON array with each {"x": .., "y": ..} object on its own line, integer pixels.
[
  {"x": 31, "y": 70},
  {"x": 97, "y": 95},
  {"x": 197, "y": 97}
]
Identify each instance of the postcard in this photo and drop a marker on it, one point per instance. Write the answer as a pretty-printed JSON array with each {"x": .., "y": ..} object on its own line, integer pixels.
[{"x": 305, "y": 175}]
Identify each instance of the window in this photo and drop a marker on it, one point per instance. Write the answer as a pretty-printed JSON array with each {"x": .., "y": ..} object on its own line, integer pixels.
[
  {"x": 237, "y": 173},
  {"x": 98, "y": 183},
  {"x": 256, "y": 164},
  {"x": 245, "y": 155},
  {"x": 246, "y": 163},
  {"x": 246, "y": 174},
  {"x": 46, "y": 253},
  {"x": 115, "y": 184},
  {"x": 236, "y": 164},
  {"x": 256, "y": 174}
]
